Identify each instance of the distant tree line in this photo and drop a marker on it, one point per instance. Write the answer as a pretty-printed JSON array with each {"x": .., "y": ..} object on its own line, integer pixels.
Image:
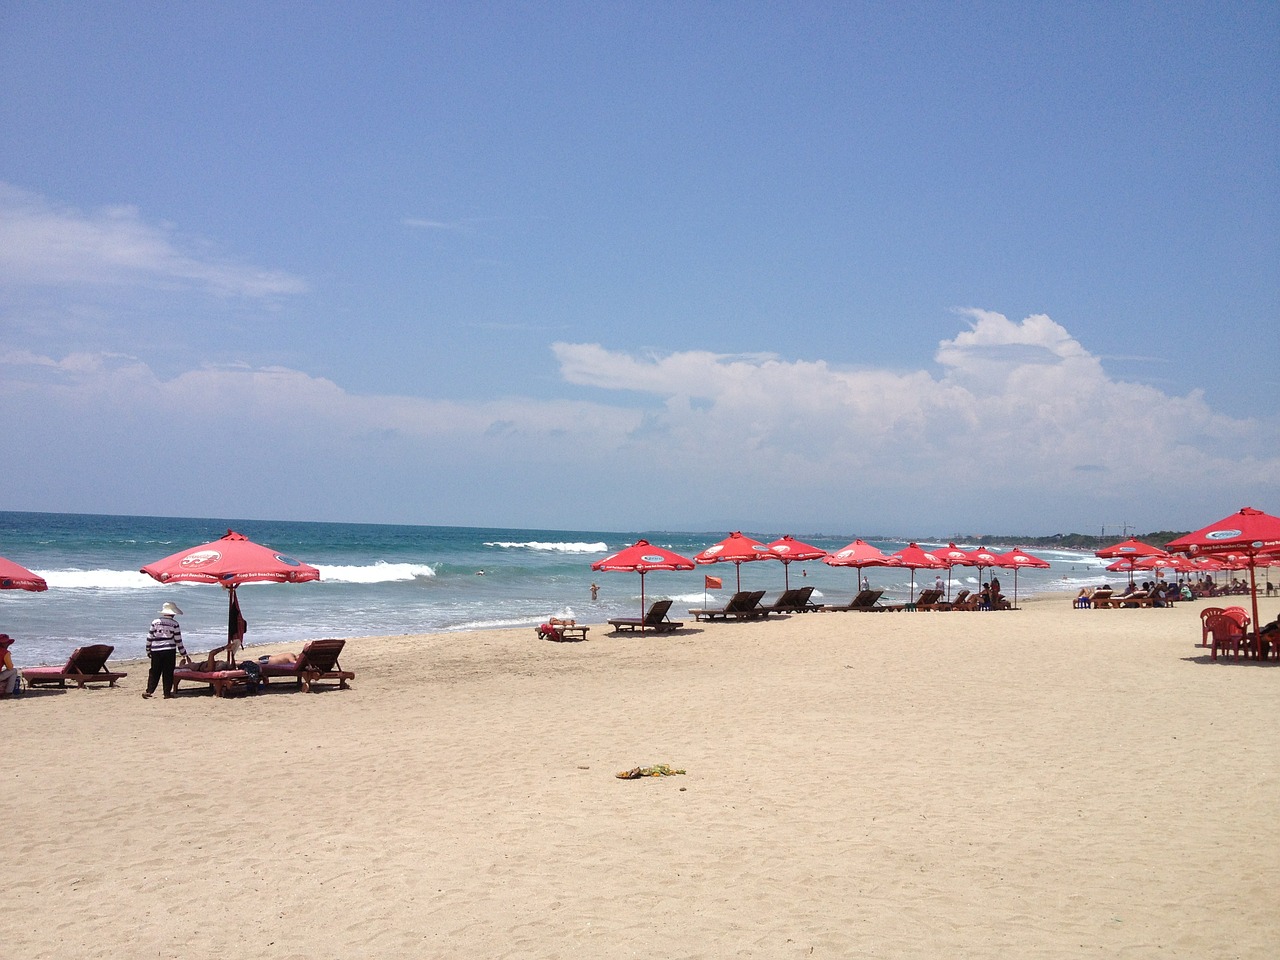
[{"x": 1075, "y": 541}]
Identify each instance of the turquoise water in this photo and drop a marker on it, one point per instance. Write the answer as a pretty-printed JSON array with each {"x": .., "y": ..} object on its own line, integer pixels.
[{"x": 385, "y": 579}]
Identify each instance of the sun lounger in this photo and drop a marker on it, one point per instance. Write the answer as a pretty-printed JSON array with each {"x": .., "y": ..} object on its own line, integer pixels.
[
  {"x": 86, "y": 665},
  {"x": 865, "y": 600},
  {"x": 1103, "y": 599},
  {"x": 318, "y": 661},
  {"x": 1139, "y": 599},
  {"x": 930, "y": 600},
  {"x": 741, "y": 606},
  {"x": 655, "y": 620},
  {"x": 222, "y": 681},
  {"x": 792, "y": 601}
]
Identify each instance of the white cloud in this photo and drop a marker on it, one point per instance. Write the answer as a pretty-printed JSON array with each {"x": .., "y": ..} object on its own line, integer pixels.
[
  {"x": 43, "y": 245},
  {"x": 1018, "y": 427},
  {"x": 1015, "y": 406}
]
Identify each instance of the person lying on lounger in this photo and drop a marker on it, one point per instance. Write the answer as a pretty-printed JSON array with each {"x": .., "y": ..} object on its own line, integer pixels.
[{"x": 274, "y": 658}]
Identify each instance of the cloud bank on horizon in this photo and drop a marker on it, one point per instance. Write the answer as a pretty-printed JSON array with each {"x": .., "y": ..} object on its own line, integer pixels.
[{"x": 1017, "y": 426}]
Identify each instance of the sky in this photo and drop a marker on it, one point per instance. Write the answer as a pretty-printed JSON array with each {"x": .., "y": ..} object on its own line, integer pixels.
[{"x": 886, "y": 269}]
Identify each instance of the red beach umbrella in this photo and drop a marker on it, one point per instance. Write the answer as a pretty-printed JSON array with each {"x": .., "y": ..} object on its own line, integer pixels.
[
  {"x": 983, "y": 559},
  {"x": 789, "y": 550},
  {"x": 1251, "y": 534},
  {"x": 14, "y": 576},
  {"x": 860, "y": 554},
  {"x": 736, "y": 549},
  {"x": 917, "y": 558},
  {"x": 642, "y": 557},
  {"x": 1165, "y": 561},
  {"x": 1123, "y": 565},
  {"x": 1128, "y": 548},
  {"x": 954, "y": 557},
  {"x": 1016, "y": 559},
  {"x": 231, "y": 561}
]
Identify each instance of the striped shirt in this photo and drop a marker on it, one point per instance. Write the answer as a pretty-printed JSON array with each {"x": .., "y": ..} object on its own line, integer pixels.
[{"x": 165, "y": 634}]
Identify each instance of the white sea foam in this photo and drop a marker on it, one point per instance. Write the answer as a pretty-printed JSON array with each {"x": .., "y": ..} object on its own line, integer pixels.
[
  {"x": 98, "y": 579},
  {"x": 376, "y": 572},
  {"x": 551, "y": 546},
  {"x": 492, "y": 624}
]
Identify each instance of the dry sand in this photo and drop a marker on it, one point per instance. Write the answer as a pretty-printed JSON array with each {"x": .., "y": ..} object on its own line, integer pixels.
[{"x": 1041, "y": 783}]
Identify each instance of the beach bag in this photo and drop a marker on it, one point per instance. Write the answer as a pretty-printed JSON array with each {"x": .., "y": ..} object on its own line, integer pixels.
[{"x": 255, "y": 675}]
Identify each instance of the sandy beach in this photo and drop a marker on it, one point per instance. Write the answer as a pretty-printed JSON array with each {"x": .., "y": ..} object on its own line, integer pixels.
[{"x": 1039, "y": 783}]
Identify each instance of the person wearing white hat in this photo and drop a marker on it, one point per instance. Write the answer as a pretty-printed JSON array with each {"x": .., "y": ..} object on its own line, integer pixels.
[{"x": 164, "y": 644}]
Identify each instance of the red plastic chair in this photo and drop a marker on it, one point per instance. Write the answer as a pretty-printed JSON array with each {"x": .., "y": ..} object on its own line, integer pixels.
[
  {"x": 1205, "y": 614},
  {"x": 1238, "y": 615},
  {"x": 1225, "y": 634}
]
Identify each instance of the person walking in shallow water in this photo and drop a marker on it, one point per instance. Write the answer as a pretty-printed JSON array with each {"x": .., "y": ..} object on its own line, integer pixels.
[
  {"x": 595, "y": 592},
  {"x": 164, "y": 644}
]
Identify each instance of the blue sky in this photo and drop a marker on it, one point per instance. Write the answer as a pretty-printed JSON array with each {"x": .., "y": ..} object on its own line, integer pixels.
[{"x": 868, "y": 268}]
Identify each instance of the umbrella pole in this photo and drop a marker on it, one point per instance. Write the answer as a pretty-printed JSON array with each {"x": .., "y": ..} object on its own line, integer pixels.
[
  {"x": 231, "y": 636},
  {"x": 1253, "y": 589},
  {"x": 642, "y": 601}
]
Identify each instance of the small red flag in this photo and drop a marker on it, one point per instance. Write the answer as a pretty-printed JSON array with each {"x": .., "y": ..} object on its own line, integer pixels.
[{"x": 714, "y": 583}]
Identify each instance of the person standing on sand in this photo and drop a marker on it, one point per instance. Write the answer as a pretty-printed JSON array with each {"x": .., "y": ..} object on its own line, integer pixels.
[{"x": 164, "y": 644}]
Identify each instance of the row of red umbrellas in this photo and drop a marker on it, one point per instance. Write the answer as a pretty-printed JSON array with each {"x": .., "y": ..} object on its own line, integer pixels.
[{"x": 737, "y": 548}]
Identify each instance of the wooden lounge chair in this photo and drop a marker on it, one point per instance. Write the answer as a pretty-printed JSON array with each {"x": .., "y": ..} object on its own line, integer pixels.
[
  {"x": 655, "y": 620},
  {"x": 86, "y": 665},
  {"x": 925, "y": 601},
  {"x": 741, "y": 606},
  {"x": 222, "y": 680},
  {"x": 318, "y": 661},
  {"x": 958, "y": 602},
  {"x": 931, "y": 600},
  {"x": 1139, "y": 598},
  {"x": 1103, "y": 599},
  {"x": 865, "y": 600},
  {"x": 792, "y": 601}
]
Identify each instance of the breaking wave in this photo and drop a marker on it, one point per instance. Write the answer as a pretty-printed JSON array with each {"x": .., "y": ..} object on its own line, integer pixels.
[{"x": 551, "y": 546}]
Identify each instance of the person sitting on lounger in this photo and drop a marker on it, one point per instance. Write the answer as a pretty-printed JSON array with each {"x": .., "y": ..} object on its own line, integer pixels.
[
  {"x": 8, "y": 675},
  {"x": 552, "y": 629}
]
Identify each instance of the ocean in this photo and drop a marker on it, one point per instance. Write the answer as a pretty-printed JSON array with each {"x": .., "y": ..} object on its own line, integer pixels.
[{"x": 378, "y": 579}]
